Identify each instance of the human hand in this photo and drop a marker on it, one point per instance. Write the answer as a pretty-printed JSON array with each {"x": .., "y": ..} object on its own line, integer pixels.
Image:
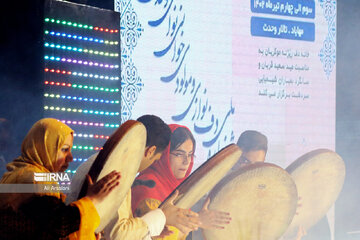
[
  {"x": 211, "y": 219},
  {"x": 165, "y": 232},
  {"x": 185, "y": 220},
  {"x": 99, "y": 190},
  {"x": 98, "y": 236}
]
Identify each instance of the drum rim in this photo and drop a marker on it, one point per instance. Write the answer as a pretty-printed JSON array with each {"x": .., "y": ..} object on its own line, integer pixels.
[
  {"x": 103, "y": 155},
  {"x": 307, "y": 157},
  {"x": 250, "y": 167},
  {"x": 231, "y": 148},
  {"x": 301, "y": 161},
  {"x": 241, "y": 170}
]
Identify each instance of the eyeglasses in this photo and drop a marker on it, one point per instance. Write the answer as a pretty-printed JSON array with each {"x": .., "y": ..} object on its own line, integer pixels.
[{"x": 184, "y": 156}]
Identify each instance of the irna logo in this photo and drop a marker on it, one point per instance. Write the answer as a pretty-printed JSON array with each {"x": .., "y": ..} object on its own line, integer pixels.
[{"x": 51, "y": 177}]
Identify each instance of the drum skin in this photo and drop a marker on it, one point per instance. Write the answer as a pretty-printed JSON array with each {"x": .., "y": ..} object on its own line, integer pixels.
[
  {"x": 261, "y": 199},
  {"x": 319, "y": 176},
  {"x": 123, "y": 152},
  {"x": 204, "y": 178}
]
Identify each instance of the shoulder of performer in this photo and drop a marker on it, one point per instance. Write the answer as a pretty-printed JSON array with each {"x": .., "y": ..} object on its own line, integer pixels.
[{"x": 145, "y": 206}]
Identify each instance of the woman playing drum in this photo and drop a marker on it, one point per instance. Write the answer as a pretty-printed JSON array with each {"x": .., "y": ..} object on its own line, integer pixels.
[
  {"x": 174, "y": 167},
  {"x": 47, "y": 149}
]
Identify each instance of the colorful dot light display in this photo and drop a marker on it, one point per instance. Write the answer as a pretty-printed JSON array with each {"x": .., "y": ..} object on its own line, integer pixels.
[
  {"x": 81, "y": 98},
  {"x": 82, "y": 74},
  {"x": 91, "y": 124},
  {"x": 84, "y": 50},
  {"x": 78, "y": 61},
  {"x": 78, "y": 37},
  {"x": 80, "y": 86}
]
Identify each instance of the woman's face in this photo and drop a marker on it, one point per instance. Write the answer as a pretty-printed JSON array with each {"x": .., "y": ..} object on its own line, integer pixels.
[
  {"x": 64, "y": 156},
  {"x": 180, "y": 159}
]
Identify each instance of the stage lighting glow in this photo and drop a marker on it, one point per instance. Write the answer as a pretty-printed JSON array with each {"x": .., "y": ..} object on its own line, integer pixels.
[
  {"x": 79, "y": 25},
  {"x": 79, "y": 37},
  {"x": 85, "y": 135},
  {"x": 85, "y": 111},
  {"x": 111, "y": 42},
  {"x": 68, "y": 23},
  {"x": 96, "y": 88},
  {"x": 81, "y": 147},
  {"x": 57, "y": 71},
  {"x": 84, "y": 50},
  {"x": 83, "y": 62},
  {"x": 64, "y": 47},
  {"x": 81, "y": 74},
  {"x": 91, "y": 124},
  {"x": 85, "y": 99},
  {"x": 80, "y": 86}
]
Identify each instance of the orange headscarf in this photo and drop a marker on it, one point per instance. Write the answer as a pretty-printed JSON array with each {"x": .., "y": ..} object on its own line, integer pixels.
[{"x": 38, "y": 154}]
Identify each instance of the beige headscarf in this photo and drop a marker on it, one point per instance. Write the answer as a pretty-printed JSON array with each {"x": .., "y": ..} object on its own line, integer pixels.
[{"x": 38, "y": 151}]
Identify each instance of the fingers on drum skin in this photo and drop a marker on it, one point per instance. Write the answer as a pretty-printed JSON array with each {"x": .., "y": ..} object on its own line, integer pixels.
[
  {"x": 111, "y": 183},
  {"x": 223, "y": 216},
  {"x": 218, "y": 226},
  {"x": 184, "y": 229},
  {"x": 185, "y": 218},
  {"x": 191, "y": 223},
  {"x": 189, "y": 218},
  {"x": 113, "y": 186},
  {"x": 221, "y": 222},
  {"x": 190, "y": 213},
  {"x": 110, "y": 176}
]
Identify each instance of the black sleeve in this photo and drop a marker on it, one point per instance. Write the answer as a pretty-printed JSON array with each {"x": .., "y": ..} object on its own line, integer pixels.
[
  {"x": 52, "y": 215},
  {"x": 15, "y": 226}
]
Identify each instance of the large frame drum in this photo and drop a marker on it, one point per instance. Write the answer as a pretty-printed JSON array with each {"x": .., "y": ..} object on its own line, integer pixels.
[
  {"x": 319, "y": 176},
  {"x": 261, "y": 199},
  {"x": 123, "y": 152},
  {"x": 203, "y": 179}
]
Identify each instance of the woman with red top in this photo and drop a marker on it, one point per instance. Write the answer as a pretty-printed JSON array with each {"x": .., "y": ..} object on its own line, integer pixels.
[{"x": 173, "y": 168}]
